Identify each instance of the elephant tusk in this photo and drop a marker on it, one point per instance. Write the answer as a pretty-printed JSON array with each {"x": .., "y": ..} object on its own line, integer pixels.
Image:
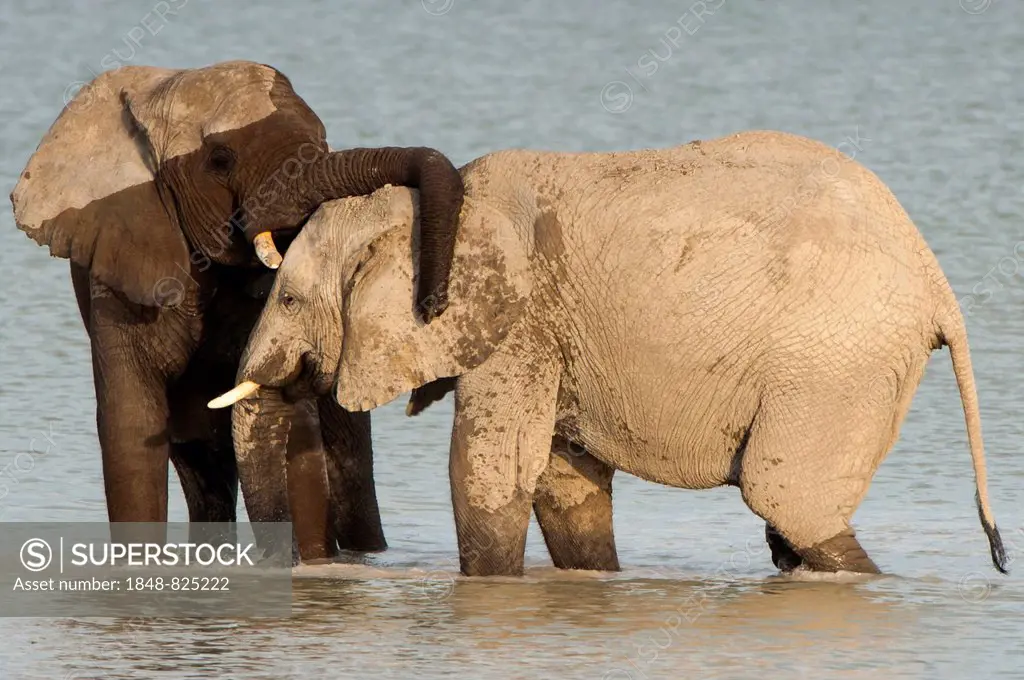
[
  {"x": 238, "y": 393},
  {"x": 266, "y": 250}
]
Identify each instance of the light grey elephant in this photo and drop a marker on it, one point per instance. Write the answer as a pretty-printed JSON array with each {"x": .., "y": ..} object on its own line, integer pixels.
[{"x": 754, "y": 311}]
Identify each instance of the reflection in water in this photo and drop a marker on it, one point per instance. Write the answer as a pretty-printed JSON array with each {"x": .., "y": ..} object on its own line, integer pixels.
[{"x": 612, "y": 627}]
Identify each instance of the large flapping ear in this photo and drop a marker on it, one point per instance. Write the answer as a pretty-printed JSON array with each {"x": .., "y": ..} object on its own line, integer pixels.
[
  {"x": 88, "y": 192},
  {"x": 222, "y": 97},
  {"x": 386, "y": 349}
]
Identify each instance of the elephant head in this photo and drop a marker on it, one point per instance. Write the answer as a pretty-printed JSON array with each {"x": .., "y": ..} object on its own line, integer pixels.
[
  {"x": 338, "y": 314},
  {"x": 150, "y": 173}
]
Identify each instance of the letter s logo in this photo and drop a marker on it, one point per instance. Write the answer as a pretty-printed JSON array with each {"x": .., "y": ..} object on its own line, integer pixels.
[{"x": 36, "y": 554}]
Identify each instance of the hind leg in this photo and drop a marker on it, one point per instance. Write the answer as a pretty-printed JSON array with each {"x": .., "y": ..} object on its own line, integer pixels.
[
  {"x": 573, "y": 504},
  {"x": 783, "y": 556},
  {"x": 806, "y": 468}
]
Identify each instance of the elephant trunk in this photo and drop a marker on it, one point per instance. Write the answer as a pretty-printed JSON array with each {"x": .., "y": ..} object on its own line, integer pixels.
[
  {"x": 355, "y": 172},
  {"x": 282, "y": 472},
  {"x": 260, "y": 437}
]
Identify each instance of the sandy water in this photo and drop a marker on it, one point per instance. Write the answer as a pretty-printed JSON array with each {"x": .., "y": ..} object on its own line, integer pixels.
[{"x": 923, "y": 92}]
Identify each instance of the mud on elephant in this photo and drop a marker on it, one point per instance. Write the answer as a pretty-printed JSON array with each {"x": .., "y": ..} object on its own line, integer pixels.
[
  {"x": 165, "y": 189},
  {"x": 671, "y": 311}
]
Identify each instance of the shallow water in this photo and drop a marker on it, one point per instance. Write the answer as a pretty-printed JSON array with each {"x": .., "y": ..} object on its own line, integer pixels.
[{"x": 924, "y": 93}]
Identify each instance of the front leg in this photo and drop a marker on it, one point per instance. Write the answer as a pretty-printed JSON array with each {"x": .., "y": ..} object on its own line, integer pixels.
[
  {"x": 131, "y": 421},
  {"x": 131, "y": 358},
  {"x": 501, "y": 443}
]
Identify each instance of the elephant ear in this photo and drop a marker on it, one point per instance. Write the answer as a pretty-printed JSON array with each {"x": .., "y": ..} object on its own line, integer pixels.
[
  {"x": 386, "y": 349},
  {"x": 223, "y": 97},
  {"x": 89, "y": 192}
]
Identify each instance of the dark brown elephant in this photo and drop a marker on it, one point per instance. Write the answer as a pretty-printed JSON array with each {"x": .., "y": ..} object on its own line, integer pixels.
[{"x": 162, "y": 187}]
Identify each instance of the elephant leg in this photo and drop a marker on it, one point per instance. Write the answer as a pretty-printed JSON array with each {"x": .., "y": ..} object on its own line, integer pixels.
[
  {"x": 805, "y": 470},
  {"x": 201, "y": 449},
  {"x": 133, "y": 440},
  {"x": 349, "y": 452},
  {"x": 840, "y": 553},
  {"x": 209, "y": 479},
  {"x": 501, "y": 444},
  {"x": 573, "y": 504},
  {"x": 131, "y": 421},
  {"x": 783, "y": 555}
]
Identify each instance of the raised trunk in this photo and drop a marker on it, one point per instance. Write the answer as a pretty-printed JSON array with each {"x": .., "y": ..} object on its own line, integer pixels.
[{"x": 324, "y": 177}]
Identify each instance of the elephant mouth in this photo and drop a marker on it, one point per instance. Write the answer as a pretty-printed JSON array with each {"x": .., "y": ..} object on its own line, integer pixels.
[
  {"x": 306, "y": 381},
  {"x": 310, "y": 381}
]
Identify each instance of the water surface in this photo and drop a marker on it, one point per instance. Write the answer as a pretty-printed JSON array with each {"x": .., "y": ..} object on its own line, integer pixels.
[{"x": 922, "y": 92}]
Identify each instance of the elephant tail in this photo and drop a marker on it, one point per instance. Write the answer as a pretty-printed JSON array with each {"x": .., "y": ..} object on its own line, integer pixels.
[{"x": 953, "y": 332}]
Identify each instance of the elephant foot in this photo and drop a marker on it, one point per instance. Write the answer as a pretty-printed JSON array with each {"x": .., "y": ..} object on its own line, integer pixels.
[
  {"x": 840, "y": 553},
  {"x": 493, "y": 543},
  {"x": 357, "y": 525},
  {"x": 784, "y": 557}
]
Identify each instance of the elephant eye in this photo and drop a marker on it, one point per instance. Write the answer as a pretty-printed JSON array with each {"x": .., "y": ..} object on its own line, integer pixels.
[
  {"x": 288, "y": 300},
  {"x": 222, "y": 160}
]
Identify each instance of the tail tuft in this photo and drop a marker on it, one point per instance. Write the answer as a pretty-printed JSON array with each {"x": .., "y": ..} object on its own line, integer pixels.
[{"x": 995, "y": 541}]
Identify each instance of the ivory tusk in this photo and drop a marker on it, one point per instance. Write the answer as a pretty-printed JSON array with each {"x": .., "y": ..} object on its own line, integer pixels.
[
  {"x": 238, "y": 393},
  {"x": 266, "y": 250}
]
